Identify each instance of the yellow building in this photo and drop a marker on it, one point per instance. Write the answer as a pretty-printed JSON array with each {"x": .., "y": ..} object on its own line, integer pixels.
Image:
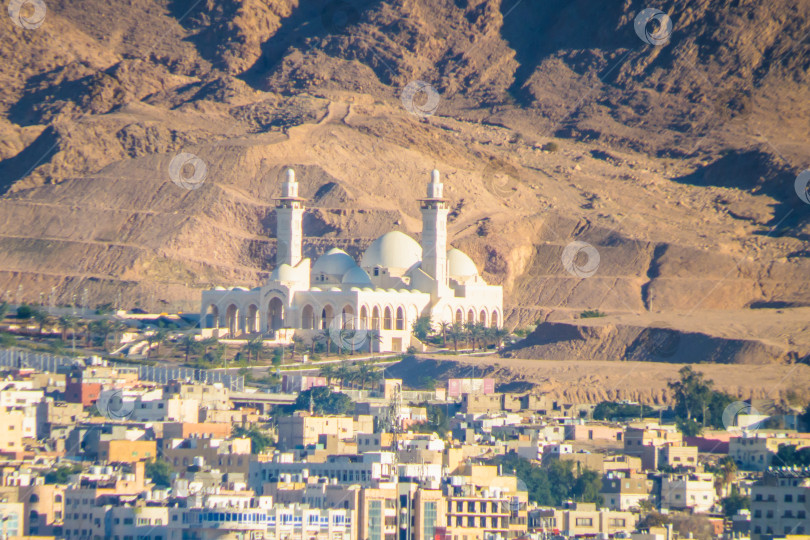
[
  {"x": 125, "y": 451},
  {"x": 11, "y": 430}
]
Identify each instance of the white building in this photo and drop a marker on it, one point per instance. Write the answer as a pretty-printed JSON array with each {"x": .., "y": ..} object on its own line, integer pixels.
[
  {"x": 371, "y": 305},
  {"x": 688, "y": 491}
]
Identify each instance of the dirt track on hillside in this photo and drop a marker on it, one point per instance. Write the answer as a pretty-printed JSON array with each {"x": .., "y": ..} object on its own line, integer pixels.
[{"x": 592, "y": 381}]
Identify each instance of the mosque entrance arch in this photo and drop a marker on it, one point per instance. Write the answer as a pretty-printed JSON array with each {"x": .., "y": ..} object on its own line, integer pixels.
[
  {"x": 275, "y": 314},
  {"x": 232, "y": 320},
  {"x": 212, "y": 317},
  {"x": 308, "y": 317},
  {"x": 252, "y": 325}
]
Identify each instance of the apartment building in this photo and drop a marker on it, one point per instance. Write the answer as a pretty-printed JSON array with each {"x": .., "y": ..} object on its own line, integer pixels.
[
  {"x": 581, "y": 519},
  {"x": 756, "y": 451},
  {"x": 646, "y": 442},
  {"x": 624, "y": 491},
  {"x": 11, "y": 430},
  {"x": 780, "y": 503},
  {"x": 360, "y": 469},
  {"x": 210, "y": 396},
  {"x": 302, "y": 429},
  {"x": 694, "y": 492},
  {"x": 12, "y": 519},
  {"x": 126, "y": 451},
  {"x": 227, "y": 456},
  {"x": 44, "y": 506},
  {"x": 378, "y": 512}
]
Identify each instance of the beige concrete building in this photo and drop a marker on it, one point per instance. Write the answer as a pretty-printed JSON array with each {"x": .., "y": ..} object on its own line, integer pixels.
[
  {"x": 44, "y": 506},
  {"x": 302, "y": 429},
  {"x": 11, "y": 430},
  {"x": 755, "y": 452},
  {"x": 780, "y": 504},
  {"x": 581, "y": 519}
]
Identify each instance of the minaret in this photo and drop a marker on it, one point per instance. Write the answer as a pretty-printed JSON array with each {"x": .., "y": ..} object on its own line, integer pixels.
[
  {"x": 434, "y": 232},
  {"x": 289, "y": 219}
]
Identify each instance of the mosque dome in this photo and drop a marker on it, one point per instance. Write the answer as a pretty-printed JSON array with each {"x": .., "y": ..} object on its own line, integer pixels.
[
  {"x": 392, "y": 250},
  {"x": 356, "y": 276},
  {"x": 283, "y": 272},
  {"x": 460, "y": 265},
  {"x": 335, "y": 262}
]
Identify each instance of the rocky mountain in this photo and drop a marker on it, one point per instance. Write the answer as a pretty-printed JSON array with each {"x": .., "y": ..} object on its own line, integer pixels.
[{"x": 673, "y": 154}]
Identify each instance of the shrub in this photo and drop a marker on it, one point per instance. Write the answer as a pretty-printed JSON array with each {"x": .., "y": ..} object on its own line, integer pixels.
[{"x": 591, "y": 314}]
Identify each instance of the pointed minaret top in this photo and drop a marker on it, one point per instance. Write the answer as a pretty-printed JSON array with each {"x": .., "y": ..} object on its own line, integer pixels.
[
  {"x": 289, "y": 189},
  {"x": 435, "y": 187}
]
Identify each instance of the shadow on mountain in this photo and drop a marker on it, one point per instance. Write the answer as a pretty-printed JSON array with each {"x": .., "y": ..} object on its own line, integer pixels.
[
  {"x": 538, "y": 30},
  {"x": 758, "y": 173},
  {"x": 38, "y": 152}
]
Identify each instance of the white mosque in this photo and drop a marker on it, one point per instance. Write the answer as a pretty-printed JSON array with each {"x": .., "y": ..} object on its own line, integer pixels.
[{"x": 370, "y": 306}]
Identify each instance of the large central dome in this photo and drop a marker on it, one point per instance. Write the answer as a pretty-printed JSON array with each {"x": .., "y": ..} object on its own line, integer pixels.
[{"x": 392, "y": 250}]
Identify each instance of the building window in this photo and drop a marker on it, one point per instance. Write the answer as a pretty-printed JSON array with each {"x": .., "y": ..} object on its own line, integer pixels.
[
  {"x": 616, "y": 522},
  {"x": 429, "y": 519},
  {"x": 584, "y": 522}
]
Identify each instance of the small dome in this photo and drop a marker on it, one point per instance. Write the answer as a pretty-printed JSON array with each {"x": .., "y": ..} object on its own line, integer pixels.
[
  {"x": 283, "y": 272},
  {"x": 460, "y": 265},
  {"x": 335, "y": 262},
  {"x": 219, "y": 288},
  {"x": 356, "y": 276},
  {"x": 392, "y": 250}
]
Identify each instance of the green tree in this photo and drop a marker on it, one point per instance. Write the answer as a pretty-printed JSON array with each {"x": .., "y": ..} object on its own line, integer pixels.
[
  {"x": 696, "y": 404},
  {"x": 159, "y": 472},
  {"x": 25, "y": 312},
  {"x": 259, "y": 440},
  {"x": 422, "y": 327},
  {"x": 788, "y": 456},
  {"x": 4, "y": 309},
  {"x": 734, "y": 503},
  {"x": 328, "y": 372},
  {"x": 456, "y": 334},
  {"x": 324, "y": 401},
  {"x": 65, "y": 323},
  {"x": 60, "y": 474}
]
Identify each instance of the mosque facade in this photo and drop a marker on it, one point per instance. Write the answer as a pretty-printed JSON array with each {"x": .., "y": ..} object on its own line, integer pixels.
[{"x": 370, "y": 306}]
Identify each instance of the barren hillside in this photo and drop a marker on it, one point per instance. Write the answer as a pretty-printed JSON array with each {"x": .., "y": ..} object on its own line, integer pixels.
[{"x": 675, "y": 162}]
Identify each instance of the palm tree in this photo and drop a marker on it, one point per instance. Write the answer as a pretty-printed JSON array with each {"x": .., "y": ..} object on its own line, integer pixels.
[
  {"x": 105, "y": 328},
  {"x": 726, "y": 474},
  {"x": 189, "y": 343},
  {"x": 156, "y": 338},
  {"x": 444, "y": 328},
  {"x": 470, "y": 334},
  {"x": 456, "y": 333},
  {"x": 42, "y": 318},
  {"x": 499, "y": 335},
  {"x": 374, "y": 337},
  {"x": 328, "y": 371},
  {"x": 254, "y": 347},
  {"x": 66, "y": 322},
  {"x": 363, "y": 373},
  {"x": 344, "y": 373}
]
